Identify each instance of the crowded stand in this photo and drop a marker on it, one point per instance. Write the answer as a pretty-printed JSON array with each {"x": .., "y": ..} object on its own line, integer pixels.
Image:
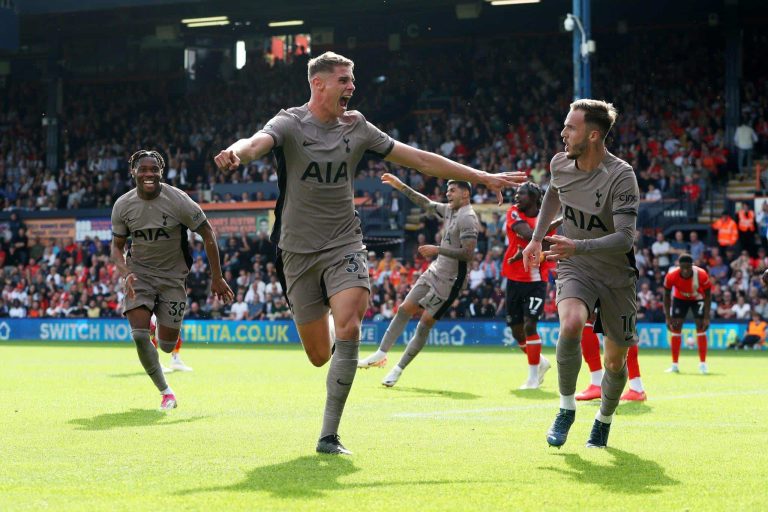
[{"x": 493, "y": 105}]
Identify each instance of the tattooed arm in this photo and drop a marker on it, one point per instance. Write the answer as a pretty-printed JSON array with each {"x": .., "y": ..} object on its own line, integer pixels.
[{"x": 418, "y": 199}]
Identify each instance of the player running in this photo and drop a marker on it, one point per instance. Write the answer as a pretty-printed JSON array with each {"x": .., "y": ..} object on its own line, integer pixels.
[
  {"x": 599, "y": 196},
  {"x": 156, "y": 217},
  {"x": 440, "y": 285},
  {"x": 322, "y": 261}
]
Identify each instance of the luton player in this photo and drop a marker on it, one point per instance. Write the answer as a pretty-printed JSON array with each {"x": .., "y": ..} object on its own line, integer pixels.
[
  {"x": 687, "y": 288},
  {"x": 156, "y": 217},
  {"x": 590, "y": 349},
  {"x": 526, "y": 288},
  {"x": 599, "y": 196},
  {"x": 322, "y": 261},
  {"x": 434, "y": 292}
]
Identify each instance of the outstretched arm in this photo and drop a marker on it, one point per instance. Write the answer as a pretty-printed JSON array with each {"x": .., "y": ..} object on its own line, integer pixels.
[
  {"x": 244, "y": 151},
  {"x": 441, "y": 167},
  {"x": 418, "y": 199}
]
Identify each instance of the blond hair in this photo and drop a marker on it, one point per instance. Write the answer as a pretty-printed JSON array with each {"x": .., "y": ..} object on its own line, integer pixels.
[
  {"x": 326, "y": 63},
  {"x": 598, "y": 113}
]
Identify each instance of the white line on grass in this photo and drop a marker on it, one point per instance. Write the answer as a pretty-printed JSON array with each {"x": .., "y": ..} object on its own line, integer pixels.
[{"x": 457, "y": 413}]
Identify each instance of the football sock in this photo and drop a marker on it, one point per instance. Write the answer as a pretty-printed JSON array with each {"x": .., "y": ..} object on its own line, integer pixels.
[
  {"x": 533, "y": 350},
  {"x": 701, "y": 341},
  {"x": 602, "y": 418},
  {"x": 149, "y": 358},
  {"x": 178, "y": 345},
  {"x": 166, "y": 346},
  {"x": 415, "y": 345},
  {"x": 633, "y": 367},
  {"x": 568, "y": 402},
  {"x": 612, "y": 386},
  {"x": 167, "y": 391},
  {"x": 636, "y": 384},
  {"x": 568, "y": 354},
  {"x": 338, "y": 383},
  {"x": 675, "y": 343},
  {"x": 395, "y": 329}
]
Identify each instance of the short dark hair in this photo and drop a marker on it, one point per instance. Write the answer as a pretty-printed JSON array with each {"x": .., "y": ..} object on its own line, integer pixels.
[
  {"x": 134, "y": 160},
  {"x": 598, "y": 113},
  {"x": 685, "y": 258},
  {"x": 532, "y": 189},
  {"x": 461, "y": 184}
]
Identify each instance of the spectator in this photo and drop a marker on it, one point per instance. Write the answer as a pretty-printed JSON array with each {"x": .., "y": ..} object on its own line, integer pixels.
[
  {"x": 696, "y": 248},
  {"x": 755, "y": 335},
  {"x": 727, "y": 230},
  {"x": 238, "y": 310},
  {"x": 745, "y": 138},
  {"x": 746, "y": 227},
  {"x": 661, "y": 251}
]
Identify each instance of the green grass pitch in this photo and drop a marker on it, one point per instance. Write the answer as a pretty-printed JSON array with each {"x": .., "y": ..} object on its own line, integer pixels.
[{"x": 80, "y": 431}]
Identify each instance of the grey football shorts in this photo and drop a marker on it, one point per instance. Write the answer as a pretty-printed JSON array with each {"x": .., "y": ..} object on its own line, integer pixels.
[
  {"x": 616, "y": 307},
  {"x": 434, "y": 296},
  {"x": 312, "y": 279},
  {"x": 165, "y": 297}
]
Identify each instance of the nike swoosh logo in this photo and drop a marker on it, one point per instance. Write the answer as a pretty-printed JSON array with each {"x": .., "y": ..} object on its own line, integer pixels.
[
  {"x": 338, "y": 381},
  {"x": 629, "y": 338},
  {"x": 307, "y": 143},
  {"x": 362, "y": 277}
]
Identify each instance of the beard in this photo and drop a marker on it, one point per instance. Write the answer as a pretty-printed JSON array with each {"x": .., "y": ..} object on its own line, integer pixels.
[{"x": 576, "y": 150}]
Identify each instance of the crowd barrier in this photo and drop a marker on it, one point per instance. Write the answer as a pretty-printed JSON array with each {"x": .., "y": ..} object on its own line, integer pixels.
[{"x": 445, "y": 333}]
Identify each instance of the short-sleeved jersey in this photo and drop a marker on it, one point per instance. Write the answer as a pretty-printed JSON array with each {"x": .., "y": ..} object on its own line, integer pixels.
[
  {"x": 515, "y": 271},
  {"x": 692, "y": 288},
  {"x": 589, "y": 201},
  {"x": 316, "y": 165},
  {"x": 158, "y": 230},
  {"x": 458, "y": 227}
]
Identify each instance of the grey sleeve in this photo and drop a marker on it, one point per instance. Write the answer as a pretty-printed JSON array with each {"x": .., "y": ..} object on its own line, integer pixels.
[
  {"x": 619, "y": 242},
  {"x": 279, "y": 127},
  {"x": 436, "y": 209},
  {"x": 467, "y": 227},
  {"x": 377, "y": 141},
  {"x": 190, "y": 213},
  {"x": 119, "y": 227},
  {"x": 550, "y": 207}
]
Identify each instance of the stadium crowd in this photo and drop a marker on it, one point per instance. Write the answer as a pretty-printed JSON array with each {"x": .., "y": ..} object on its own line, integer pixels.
[{"x": 493, "y": 106}]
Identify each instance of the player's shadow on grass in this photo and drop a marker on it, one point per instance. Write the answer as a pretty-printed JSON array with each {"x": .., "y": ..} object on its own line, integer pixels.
[
  {"x": 130, "y": 418},
  {"x": 534, "y": 394},
  {"x": 627, "y": 474},
  {"x": 456, "y": 395},
  {"x": 127, "y": 375},
  {"x": 633, "y": 409},
  {"x": 308, "y": 477}
]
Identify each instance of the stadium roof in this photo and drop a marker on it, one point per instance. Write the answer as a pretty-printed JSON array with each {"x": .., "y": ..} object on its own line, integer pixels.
[{"x": 70, "y": 19}]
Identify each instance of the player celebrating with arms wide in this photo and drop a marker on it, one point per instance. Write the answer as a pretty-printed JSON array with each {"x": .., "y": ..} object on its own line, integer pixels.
[{"x": 322, "y": 261}]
